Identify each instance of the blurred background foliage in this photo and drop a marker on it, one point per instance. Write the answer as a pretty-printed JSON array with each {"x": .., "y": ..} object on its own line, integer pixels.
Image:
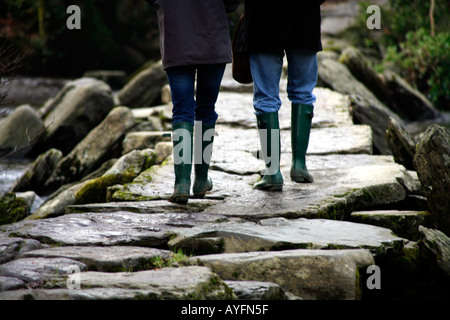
[
  {"x": 115, "y": 34},
  {"x": 415, "y": 42}
]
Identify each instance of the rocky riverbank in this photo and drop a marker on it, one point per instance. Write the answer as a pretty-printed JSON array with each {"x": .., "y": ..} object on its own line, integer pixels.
[{"x": 104, "y": 165}]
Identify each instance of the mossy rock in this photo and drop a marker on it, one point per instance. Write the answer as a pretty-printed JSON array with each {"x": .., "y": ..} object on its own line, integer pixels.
[
  {"x": 95, "y": 190},
  {"x": 125, "y": 170},
  {"x": 12, "y": 209}
]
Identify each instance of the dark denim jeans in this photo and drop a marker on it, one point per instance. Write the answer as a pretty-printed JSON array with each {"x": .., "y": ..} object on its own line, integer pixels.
[{"x": 190, "y": 103}]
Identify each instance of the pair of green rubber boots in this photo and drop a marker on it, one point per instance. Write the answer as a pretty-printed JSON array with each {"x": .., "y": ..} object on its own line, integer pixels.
[
  {"x": 301, "y": 119},
  {"x": 183, "y": 138}
]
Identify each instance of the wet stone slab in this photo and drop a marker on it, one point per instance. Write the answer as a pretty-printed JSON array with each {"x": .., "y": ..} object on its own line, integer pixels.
[
  {"x": 230, "y": 143},
  {"x": 343, "y": 183},
  {"x": 157, "y": 184},
  {"x": 309, "y": 274},
  {"x": 40, "y": 271},
  {"x": 197, "y": 283},
  {"x": 70, "y": 294},
  {"x": 144, "y": 207},
  {"x": 107, "y": 259},
  {"x": 11, "y": 247},
  {"x": 108, "y": 229},
  {"x": 331, "y": 109},
  {"x": 10, "y": 283},
  {"x": 280, "y": 233},
  {"x": 403, "y": 223}
]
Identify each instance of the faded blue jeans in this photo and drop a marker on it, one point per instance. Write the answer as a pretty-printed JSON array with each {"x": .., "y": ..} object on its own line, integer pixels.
[
  {"x": 266, "y": 71},
  {"x": 190, "y": 103}
]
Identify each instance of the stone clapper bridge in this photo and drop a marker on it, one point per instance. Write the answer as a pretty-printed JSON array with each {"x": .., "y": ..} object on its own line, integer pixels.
[{"x": 306, "y": 242}]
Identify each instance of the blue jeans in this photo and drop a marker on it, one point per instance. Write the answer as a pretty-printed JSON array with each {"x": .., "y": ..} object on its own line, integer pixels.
[
  {"x": 190, "y": 104},
  {"x": 266, "y": 71}
]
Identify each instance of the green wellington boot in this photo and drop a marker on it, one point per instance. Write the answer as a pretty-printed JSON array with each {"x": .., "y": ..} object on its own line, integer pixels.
[
  {"x": 301, "y": 119},
  {"x": 182, "y": 154},
  {"x": 273, "y": 180},
  {"x": 202, "y": 159}
]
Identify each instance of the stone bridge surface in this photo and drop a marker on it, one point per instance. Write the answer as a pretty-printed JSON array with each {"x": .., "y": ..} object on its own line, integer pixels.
[{"x": 301, "y": 243}]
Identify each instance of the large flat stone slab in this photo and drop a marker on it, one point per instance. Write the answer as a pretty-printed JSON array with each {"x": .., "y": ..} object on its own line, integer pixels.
[
  {"x": 11, "y": 247},
  {"x": 309, "y": 274},
  {"x": 107, "y": 229},
  {"x": 331, "y": 109},
  {"x": 235, "y": 147},
  {"x": 343, "y": 183},
  {"x": 107, "y": 259},
  {"x": 355, "y": 139},
  {"x": 85, "y": 294},
  {"x": 236, "y": 162},
  {"x": 157, "y": 184},
  {"x": 197, "y": 283},
  {"x": 145, "y": 207},
  {"x": 280, "y": 233},
  {"x": 40, "y": 271},
  {"x": 403, "y": 223},
  {"x": 10, "y": 283}
]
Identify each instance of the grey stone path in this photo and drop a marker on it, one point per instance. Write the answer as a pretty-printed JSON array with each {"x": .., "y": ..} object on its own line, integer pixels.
[{"x": 126, "y": 248}]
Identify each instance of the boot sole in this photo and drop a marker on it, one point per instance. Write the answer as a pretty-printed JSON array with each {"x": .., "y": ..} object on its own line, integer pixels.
[
  {"x": 201, "y": 193},
  {"x": 301, "y": 179},
  {"x": 275, "y": 187},
  {"x": 180, "y": 199}
]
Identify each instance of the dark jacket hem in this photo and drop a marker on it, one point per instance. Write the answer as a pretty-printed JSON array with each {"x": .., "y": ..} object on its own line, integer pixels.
[{"x": 190, "y": 62}]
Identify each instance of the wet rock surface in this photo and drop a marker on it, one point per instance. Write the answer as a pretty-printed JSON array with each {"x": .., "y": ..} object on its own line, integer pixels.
[
  {"x": 311, "y": 241},
  {"x": 18, "y": 129},
  {"x": 280, "y": 233},
  {"x": 439, "y": 245},
  {"x": 118, "y": 228},
  {"x": 107, "y": 259},
  {"x": 319, "y": 274},
  {"x": 403, "y": 223},
  {"x": 77, "y": 108},
  {"x": 196, "y": 283},
  {"x": 432, "y": 162},
  {"x": 257, "y": 290}
]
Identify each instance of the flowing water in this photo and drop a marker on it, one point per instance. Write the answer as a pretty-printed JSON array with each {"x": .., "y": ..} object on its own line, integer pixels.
[{"x": 10, "y": 171}]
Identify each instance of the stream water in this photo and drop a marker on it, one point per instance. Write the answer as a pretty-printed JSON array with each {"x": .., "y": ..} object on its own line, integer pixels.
[{"x": 10, "y": 171}]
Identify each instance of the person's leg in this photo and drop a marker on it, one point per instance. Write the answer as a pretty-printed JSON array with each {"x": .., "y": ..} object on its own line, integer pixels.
[
  {"x": 203, "y": 145},
  {"x": 266, "y": 71},
  {"x": 181, "y": 81},
  {"x": 269, "y": 136},
  {"x": 209, "y": 78},
  {"x": 302, "y": 78},
  {"x": 182, "y": 135}
]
